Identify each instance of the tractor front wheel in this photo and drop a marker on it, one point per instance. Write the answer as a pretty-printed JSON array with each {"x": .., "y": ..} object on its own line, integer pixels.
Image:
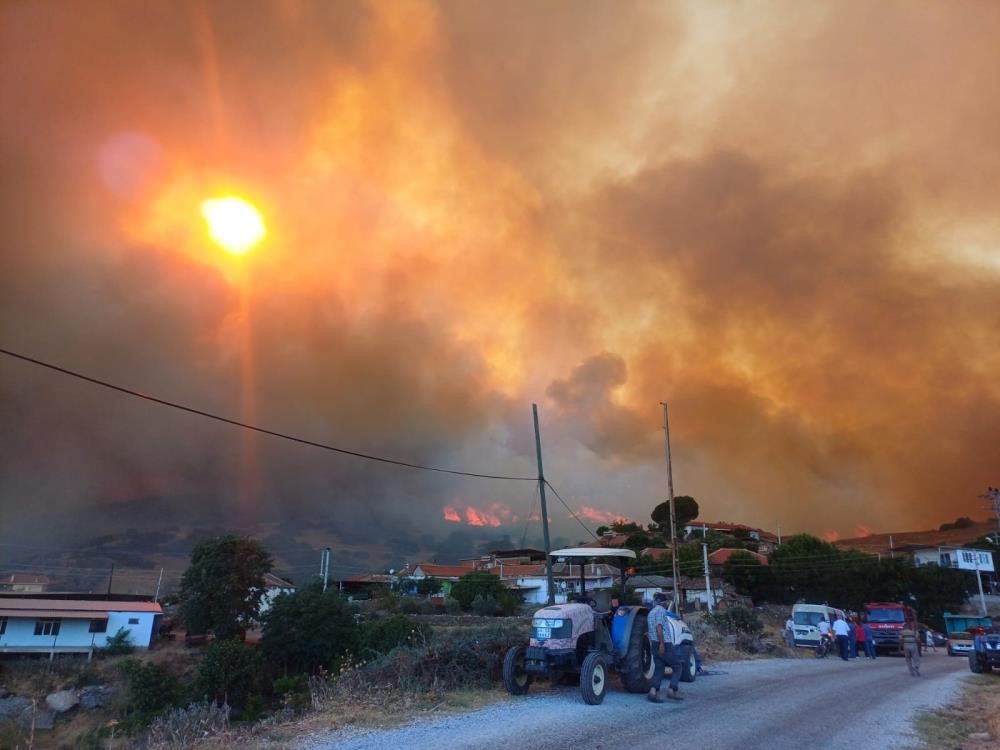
[
  {"x": 690, "y": 666},
  {"x": 975, "y": 665},
  {"x": 515, "y": 678},
  {"x": 594, "y": 678}
]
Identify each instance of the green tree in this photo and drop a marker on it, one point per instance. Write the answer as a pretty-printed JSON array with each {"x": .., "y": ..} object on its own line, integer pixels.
[
  {"x": 221, "y": 589},
  {"x": 477, "y": 583},
  {"x": 230, "y": 672},
  {"x": 746, "y": 574},
  {"x": 685, "y": 511},
  {"x": 308, "y": 629}
]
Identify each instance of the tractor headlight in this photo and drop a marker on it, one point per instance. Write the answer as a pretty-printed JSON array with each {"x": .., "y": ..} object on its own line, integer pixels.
[{"x": 544, "y": 622}]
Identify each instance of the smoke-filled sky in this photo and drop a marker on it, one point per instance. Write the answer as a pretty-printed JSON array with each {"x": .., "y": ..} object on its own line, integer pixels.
[{"x": 782, "y": 218}]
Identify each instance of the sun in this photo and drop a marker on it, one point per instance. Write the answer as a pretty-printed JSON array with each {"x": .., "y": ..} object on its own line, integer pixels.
[{"x": 233, "y": 223}]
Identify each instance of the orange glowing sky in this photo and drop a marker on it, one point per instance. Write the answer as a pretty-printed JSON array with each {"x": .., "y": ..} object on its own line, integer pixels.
[{"x": 779, "y": 217}]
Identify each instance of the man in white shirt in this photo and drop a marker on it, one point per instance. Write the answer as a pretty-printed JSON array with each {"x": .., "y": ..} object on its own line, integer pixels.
[
  {"x": 790, "y": 632},
  {"x": 842, "y": 630}
]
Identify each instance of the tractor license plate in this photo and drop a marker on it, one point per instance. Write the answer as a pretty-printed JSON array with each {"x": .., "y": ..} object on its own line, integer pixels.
[{"x": 543, "y": 634}]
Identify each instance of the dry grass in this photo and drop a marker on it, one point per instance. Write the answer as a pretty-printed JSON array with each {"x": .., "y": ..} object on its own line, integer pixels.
[{"x": 976, "y": 710}]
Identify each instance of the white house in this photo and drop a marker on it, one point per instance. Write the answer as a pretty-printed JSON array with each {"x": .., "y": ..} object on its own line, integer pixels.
[
  {"x": 955, "y": 557},
  {"x": 72, "y": 626},
  {"x": 273, "y": 588}
]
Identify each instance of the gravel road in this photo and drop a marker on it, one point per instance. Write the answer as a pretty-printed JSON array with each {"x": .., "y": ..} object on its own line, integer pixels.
[{"x": 776, "y": 704}]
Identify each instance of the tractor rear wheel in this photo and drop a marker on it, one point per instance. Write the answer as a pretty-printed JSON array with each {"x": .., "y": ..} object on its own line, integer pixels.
[
  {"x": 690, "y": 667},
  {"x": 594, "y": 678},
  {"x": 515, "y": 678},
  {"x": 639, "y": 665}
]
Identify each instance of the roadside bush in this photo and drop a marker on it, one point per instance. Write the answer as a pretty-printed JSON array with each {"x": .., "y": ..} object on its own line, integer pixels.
[
  {"x": 409, "y": 605},
  {"x": 485, "y": 606},
  {"x": 184, "y": 727},
  {"x": 307, "y": 630},
  {"x": 737, "y": 621},
  {"x": 452, "y": 607},
  {"x": 478, "y": 583},
  {"x": 427, "y": 607},
  {"x": 229, "y": 673},
  {"x": 470, "y": 658},
  {"x": 383, "y": 635},
  {"x": 293, "y": 691},
  {"x": 151, "y": 690}
]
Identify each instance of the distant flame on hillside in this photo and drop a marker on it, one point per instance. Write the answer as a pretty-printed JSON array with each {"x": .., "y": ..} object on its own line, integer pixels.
[
  {"x": 830, "y": 536},
  {"x": 600, "y": 516},
  {"x": 862, "y": 530},
  {"x": 495, "y": 514}
]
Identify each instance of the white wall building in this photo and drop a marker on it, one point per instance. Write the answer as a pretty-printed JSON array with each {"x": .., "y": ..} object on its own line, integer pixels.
[{"x": 72, "y": 626}]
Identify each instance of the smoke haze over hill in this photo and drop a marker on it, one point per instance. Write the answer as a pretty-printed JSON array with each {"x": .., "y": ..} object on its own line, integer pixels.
[{"x": 781, "y": 218}]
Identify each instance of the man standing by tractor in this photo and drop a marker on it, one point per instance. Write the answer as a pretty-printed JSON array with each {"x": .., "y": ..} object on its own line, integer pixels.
[{"x": 665, "y": 654}]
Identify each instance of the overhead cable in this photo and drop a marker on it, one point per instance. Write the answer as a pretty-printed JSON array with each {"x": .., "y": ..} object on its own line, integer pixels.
[{"x": 254, "y": 428}]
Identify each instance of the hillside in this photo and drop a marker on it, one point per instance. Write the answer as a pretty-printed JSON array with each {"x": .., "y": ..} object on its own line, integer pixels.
[{"x": 908, "y": 540}]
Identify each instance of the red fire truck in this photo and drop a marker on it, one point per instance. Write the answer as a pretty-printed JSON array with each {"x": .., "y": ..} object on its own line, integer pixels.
[{"x": 887, "y": 620}]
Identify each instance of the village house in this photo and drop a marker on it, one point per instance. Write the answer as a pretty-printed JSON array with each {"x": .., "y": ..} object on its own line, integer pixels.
[
  {"x": 273, "y": 588},
  {"x": 766, "y": 541},
  {"x": 37, "y": 625},
  {"x": 28, "y": 583}
]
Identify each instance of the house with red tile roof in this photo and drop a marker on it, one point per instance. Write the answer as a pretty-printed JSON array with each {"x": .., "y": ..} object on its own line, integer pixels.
[
  {"x": 719, "y": 557},
  {"x": 24, "y": 582}
]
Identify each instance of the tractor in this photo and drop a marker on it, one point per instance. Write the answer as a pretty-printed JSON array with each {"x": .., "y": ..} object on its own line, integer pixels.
[{"x": 576, "y": 638}]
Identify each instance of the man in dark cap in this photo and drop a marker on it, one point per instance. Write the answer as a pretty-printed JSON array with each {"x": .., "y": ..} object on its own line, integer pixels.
[{"x": 664, "y": 653}]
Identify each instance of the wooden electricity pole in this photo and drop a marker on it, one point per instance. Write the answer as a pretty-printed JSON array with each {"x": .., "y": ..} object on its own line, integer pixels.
[
  {"x": 673, "y": 514},
  {"x": 545, "y": 515}
]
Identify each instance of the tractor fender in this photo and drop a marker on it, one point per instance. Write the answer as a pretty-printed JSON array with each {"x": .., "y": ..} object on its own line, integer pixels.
[{"x": 622, "y": 622}]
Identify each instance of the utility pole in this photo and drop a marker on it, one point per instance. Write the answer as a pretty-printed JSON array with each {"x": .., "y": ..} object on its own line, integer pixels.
[
  {"x": 708, "y": 580},
  {"x": 892, "y": 550},
  {"x": 324, "y": 566},
  {"x": 545, "y": 514},
  {"x": 673, "y": 513},
  {"x": 111, "y": 576},
  {"x": 156, "y": 596}
]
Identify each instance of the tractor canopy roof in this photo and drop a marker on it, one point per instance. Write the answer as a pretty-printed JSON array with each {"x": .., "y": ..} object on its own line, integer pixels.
[{"x": 593, "y": 552}]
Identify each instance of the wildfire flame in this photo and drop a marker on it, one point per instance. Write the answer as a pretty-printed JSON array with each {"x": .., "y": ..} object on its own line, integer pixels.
[
  {"x": 830, "y": 536},
  {"x": 600, "y": 516},
  {"x": 494, "y": 514}
]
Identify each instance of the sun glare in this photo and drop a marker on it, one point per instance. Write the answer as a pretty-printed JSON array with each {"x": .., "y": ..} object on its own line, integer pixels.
[{"x": 233, "y": 223}]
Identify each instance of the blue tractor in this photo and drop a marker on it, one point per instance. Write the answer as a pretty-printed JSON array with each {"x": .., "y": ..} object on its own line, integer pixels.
[{"x": 578, "y": 638}]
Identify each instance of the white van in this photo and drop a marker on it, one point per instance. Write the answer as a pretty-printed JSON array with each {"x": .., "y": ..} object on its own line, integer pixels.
[{"x": 807, "y": 618}]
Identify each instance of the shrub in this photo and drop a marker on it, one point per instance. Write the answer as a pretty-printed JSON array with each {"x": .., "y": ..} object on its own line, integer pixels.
[
  {"x": 119, "y": 643},
  {"x": 409, "y": 605},
  {"x": 452, "y": 607},
  {"x": 229, "y": 673},
  {"x": 151, "y": 690},
  {"x": 307, "y": 630},
  {"x": 736, "y": 621},
  {"x": 184, "y": 727},
  {"x": 475, "y": 584},
  {"x": 293, "y": 691},
  {"x": 485, "y": 606},
  {"x": 383, "y": 635}
]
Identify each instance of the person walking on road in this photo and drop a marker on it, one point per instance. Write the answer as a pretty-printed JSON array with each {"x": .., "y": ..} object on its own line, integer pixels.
[
  {"x": 852, "y": 637},
  {"x": 842, "y": 630},
  {"x": 861, "y": 638},
  {"x": 790, "y": 632},
  {"x": 870, "y": 652},
  {"x": 664, "y": 654},
  {"x": 911, "y": 647},
  {"x": 929, "y": 640}
]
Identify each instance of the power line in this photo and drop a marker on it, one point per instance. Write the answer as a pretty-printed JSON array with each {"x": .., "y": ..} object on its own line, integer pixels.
[
  {"x": 575, "y": 517},
  {"x": 262, "y": 430}
]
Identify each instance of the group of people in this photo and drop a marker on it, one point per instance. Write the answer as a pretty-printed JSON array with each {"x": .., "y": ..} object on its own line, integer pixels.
[{"x": 854, "y": 634}]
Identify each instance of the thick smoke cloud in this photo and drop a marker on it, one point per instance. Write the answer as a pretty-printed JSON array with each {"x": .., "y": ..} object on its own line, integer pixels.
[{"x": 778, "y": 218}]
